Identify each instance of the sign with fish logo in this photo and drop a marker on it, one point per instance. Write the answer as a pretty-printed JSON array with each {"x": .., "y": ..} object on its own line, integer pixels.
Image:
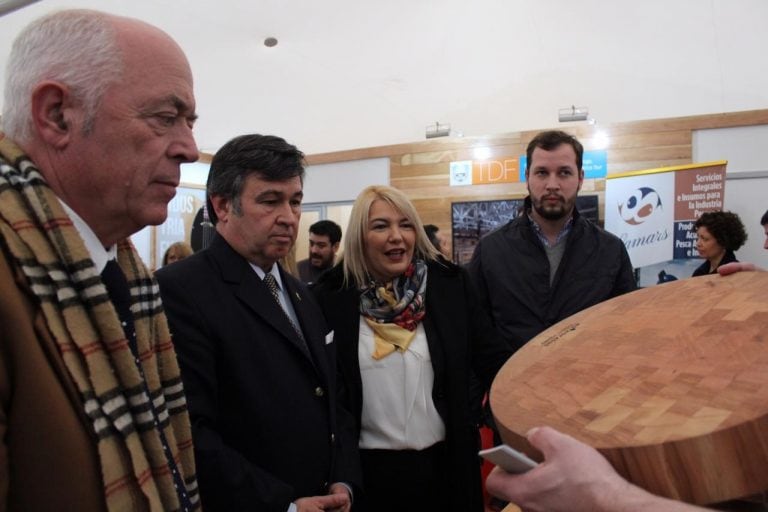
[{"x": 653, "y": 211}]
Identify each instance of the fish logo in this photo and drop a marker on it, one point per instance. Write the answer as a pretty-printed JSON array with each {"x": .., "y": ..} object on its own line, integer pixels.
[{"x": 639, "y": 206}]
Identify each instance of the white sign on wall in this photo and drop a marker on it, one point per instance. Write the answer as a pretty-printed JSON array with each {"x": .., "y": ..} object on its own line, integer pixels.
[
  {"x": 640, "y": 211},
  {"x": 654, "y": 211}
]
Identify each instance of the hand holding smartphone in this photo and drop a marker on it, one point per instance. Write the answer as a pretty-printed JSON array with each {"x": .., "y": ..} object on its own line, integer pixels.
[{"x": 508, "y": 459}]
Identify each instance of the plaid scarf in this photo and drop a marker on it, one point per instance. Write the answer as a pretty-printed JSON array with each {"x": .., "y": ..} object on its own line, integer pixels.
[{"x": 83, "y": 321}]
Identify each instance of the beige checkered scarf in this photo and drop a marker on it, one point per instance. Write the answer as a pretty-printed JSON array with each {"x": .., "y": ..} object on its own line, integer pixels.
[{"x": 79, "y": 314}]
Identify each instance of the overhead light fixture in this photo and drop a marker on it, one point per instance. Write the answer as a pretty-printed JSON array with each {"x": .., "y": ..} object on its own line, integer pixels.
[
  {"x": 7, "y": 6},
  {"x": 437, "y": 130},
  {"x": 572, "y": 113},
  {"x": 482, "y": 153},
  {"x": 600, "y": 140}
]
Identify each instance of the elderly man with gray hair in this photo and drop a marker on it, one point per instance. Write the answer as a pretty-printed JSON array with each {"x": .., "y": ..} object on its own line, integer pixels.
[{"x": 98, "y": 118}]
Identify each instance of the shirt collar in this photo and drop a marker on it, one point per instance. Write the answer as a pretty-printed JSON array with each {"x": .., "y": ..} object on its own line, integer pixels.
[
  {"x": 275, "y": 271},
  {"x": 561, "y": 235},
  {"x": 99, "y": 255}
]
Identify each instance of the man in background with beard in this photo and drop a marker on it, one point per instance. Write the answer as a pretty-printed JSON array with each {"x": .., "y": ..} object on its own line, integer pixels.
[
  {"x": 549, "y": 262},
  {"x": 324, "y": 240}
]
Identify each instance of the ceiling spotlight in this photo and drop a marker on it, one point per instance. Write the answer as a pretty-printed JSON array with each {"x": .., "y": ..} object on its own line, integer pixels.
[
  {"x": 270, "y": 42},
  {"x": 482, "y": 153},
  {"x": 600, "y": 140},
  {"x": 7, "y": 6},
  {"x": 572, "y": 113},
  {"x": 437, "y": 130}
]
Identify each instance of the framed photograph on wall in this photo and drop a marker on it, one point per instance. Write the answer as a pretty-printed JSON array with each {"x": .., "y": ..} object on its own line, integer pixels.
[
  {"x": 183, "y": 210},
  {"x": 472, "y": 220}
]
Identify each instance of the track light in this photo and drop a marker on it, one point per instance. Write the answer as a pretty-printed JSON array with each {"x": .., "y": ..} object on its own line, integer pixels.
[
  {"x": 573, "y": 113},
  {"x": 437, "y": 130},
  {"x": 7, "y": 6}
]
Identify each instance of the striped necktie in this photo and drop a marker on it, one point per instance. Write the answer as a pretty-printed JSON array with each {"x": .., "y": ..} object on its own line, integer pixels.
[{"x": 271, "y": 283}]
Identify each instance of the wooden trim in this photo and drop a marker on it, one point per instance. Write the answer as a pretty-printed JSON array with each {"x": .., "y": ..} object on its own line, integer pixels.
[
  {"x": 583, "y": 132},
  {"x": 673, "y": 168}
]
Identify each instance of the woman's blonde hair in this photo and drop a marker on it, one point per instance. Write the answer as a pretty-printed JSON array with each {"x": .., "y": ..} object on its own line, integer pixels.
[{"x": 355, "y": 263}]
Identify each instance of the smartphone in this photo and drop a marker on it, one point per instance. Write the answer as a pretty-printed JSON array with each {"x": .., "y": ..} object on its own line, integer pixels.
[{"x": 508, "y": 459}]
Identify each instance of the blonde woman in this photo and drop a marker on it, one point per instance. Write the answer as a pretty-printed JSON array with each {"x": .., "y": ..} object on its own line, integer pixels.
[{"x": 409, "y": 334}]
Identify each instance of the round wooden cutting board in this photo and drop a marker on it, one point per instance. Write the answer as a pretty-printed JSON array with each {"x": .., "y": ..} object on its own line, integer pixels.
[{"x": 670, "y": 383}]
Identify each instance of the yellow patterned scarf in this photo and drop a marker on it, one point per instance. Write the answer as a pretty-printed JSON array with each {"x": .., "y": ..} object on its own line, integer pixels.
[
  {"x": 393, "y": 310},
  {"x": 82, "y": 320}
]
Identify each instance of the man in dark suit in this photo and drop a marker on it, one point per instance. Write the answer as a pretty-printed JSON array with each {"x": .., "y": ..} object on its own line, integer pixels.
[{"x": 257, "y": 360}]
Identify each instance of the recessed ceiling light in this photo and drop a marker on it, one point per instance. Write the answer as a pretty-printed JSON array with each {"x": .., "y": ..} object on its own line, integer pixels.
[{"x": 270, "y": 42}]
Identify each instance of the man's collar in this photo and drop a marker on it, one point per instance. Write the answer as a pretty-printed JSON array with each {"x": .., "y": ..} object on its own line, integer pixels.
[
  {"x": 564, "y": 231},
  {"x": 275, "y": 271},
  {"x": 98, "y": 253}
]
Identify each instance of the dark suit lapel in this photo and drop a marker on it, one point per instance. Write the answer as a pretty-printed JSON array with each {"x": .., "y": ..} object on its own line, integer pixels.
[
  {"x": 309, "y": 316},
  {"x": 251, "y": 290},
  {"x": 255, "y": 294}
]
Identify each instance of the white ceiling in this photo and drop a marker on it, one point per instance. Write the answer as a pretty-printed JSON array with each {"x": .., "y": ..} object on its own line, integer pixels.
[{"x": 358, "y": 73}]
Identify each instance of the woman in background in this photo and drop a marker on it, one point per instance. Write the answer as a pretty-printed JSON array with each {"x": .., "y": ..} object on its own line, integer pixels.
[
  {"x": 720, "y": 234},
  {"x": 409, "y": 334},
  {"x": 176, "y": 252}
]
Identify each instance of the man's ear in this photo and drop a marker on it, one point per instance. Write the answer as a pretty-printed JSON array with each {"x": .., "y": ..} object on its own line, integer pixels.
[
  {"x": 335, "y": 247},
  {"x": 52, "y": 113},
  {"x": 581, "y": 179},
  {"x": 221, "y": 207}
]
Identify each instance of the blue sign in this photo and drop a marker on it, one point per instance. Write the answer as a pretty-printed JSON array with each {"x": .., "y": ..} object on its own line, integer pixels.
[{"x": 594, "y": 164}]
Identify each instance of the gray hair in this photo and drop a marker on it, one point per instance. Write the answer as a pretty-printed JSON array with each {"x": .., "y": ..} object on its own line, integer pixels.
[{"x": 77, "y": 48}]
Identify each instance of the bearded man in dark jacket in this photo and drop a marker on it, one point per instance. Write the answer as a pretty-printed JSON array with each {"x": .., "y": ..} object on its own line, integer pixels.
[{"x": 549, "y": 262}]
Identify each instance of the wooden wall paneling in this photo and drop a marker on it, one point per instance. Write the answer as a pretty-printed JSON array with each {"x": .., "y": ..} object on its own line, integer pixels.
[
  {"x": 421, "y": 169},
  {"x": 398, "y": 170},
  {"x": 663, "y": 153},
  {"x": 654, "y": 139},
  {"x": 633, "y": 128}
]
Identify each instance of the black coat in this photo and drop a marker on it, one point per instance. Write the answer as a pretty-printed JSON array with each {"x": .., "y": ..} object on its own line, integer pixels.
[
  {"x": 704, "y": 268},
  {"x": 461, "y": 340},
  {"x": 264, "y": 415}
]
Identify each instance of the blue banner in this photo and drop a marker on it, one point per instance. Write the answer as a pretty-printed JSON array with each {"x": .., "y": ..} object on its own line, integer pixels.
[{"x": 594, "y": 164}]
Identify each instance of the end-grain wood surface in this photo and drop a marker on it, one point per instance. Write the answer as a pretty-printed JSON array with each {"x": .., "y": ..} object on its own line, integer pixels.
[{"x": 670, "y": 383}]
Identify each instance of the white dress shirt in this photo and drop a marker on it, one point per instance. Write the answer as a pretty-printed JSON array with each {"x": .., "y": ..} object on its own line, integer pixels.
[
  {"x": 98, "y": 253},
  {"x": 398, "y": 410},
  {"x": 285, "y": 302}
]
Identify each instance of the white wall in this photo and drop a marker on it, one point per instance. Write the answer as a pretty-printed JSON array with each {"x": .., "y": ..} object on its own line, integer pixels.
[
  {"x": 352, "y": 74},
  {"x": 342, "y": 181},
  {"x": 325, "y": 183}
]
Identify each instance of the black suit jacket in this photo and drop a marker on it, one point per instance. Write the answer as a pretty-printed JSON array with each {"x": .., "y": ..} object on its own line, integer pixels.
[
  {"x": 264, "y": 415},
  {"x": 462, "y": 342}
]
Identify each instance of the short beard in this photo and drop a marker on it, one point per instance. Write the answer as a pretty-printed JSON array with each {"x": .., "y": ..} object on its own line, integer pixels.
[
  {"x": 323, "y": 264},
  {"x": 552, "y": 214}
]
